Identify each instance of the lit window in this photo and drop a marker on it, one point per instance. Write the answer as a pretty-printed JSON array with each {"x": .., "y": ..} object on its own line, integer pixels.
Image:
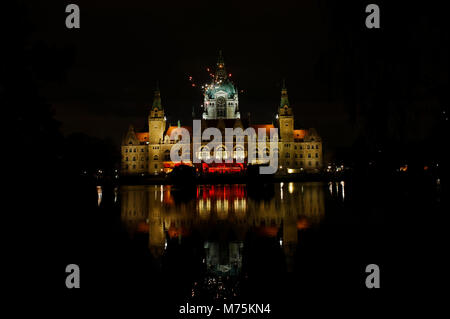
[
  {"x": 221, "y": 153},
  {"x": 239, "y": 153},
  {"x": 205, "y": 154}
]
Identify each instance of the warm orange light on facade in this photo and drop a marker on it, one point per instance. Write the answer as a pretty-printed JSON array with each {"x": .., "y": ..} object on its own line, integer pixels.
[
  {"x": 267, "y": 127},
  {"x": 299, "y": 134},
  {"x": 171, "y": 128},
  {"x": 142, "y": 137}
]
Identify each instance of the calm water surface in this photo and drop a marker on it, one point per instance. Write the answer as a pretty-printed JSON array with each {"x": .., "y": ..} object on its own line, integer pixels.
[
  {"x": 219, "y": 237},
  {"x": 280, "y": 243}
]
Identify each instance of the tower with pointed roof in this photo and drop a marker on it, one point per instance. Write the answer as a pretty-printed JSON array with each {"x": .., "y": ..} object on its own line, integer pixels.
[
  {"x": 285, "y": 117},
  {"x": 156, "y": 119},
  {"x": 221, "y": 98}
]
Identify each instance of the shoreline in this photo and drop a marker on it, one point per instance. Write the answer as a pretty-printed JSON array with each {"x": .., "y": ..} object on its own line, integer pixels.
[{"x": 221, "y": 179}]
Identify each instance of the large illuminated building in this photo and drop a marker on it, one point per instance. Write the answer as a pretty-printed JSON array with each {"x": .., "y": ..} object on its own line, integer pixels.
[{"x": 148, "y": 152}]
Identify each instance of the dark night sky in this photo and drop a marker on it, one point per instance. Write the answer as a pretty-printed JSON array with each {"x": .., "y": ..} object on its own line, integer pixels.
[{"x": 331, "y": 62}]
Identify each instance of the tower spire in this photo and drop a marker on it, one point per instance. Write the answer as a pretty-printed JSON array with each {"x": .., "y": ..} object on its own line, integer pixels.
[
  {"x": 220, "y": 59},
  {"x": 221, "y": 73},
  {"x": 157, "y": 98},
  {"x": 284, "y": 95}
]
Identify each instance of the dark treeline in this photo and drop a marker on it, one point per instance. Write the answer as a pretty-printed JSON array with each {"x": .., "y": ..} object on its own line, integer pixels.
[
  {"x": 392, "y": 81},
  {"x": 43, "y": 166}
]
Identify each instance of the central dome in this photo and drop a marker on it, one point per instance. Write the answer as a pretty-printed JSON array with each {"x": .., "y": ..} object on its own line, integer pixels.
[{"x": 227, "y": 87}]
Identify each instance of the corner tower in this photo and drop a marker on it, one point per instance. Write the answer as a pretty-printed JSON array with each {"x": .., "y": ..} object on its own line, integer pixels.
[
  {"x": 156, "y": 120},
  {"x": 285, "y": 116}
]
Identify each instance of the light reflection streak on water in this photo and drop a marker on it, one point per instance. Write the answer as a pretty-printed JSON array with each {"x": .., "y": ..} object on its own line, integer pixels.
[
  {"x": 281, "y": 190},
  {"x": 99, "y": 195},
  {"x": 291, "y": 188},
  {"x": 116, "y": 193}
]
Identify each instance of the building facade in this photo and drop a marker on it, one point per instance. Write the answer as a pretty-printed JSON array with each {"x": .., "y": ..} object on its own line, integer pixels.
[{"x": 148, "y": 151}]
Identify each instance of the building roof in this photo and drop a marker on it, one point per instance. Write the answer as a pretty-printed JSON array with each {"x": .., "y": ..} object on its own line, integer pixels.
[
  {"x": 142, "y": 137},
  {"x": 227, "y": 123},
  {"x": 172, "y": 128},
  {"x": 226, "y": 86},
  {"x": 300, "y": 134},
  {"x": 267, "y": 127}
]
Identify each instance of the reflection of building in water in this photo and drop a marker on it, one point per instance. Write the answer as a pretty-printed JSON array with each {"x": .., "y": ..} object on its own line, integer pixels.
[{"x": 152, "y": 209}]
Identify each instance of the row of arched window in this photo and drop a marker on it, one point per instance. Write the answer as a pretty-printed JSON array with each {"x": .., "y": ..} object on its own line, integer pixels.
[
  {"x": 134, "y": 166},
  {"x": 134, "y": 150},
  {"x": 308, "y": 147},
  {"x": 287, "y": 155},
  {"x": 134, "y": 159}
]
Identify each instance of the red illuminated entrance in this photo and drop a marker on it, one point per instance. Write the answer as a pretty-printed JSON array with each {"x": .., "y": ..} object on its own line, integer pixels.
[{"x": 221, "y": 168}]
